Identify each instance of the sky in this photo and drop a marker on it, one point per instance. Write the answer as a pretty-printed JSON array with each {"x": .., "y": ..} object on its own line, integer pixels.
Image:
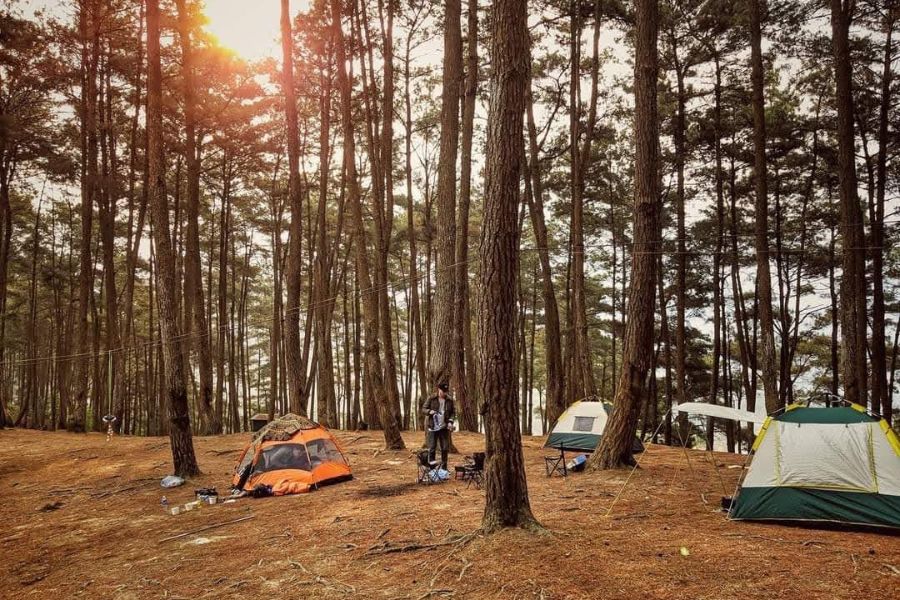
[{"x": 248, "y": 27}]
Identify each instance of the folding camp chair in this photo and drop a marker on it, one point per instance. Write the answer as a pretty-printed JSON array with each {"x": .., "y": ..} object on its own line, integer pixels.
[
  {"x": 472, "y": 471},
  {"x": 556, "y": 463},
  {"x": 425, "y": 467}
]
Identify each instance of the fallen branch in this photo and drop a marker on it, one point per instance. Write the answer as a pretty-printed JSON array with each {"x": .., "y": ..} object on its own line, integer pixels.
[
  {"x": 429, "y": 593},
  {"x": 207, "y": 528},
  {"x": 464, "y": 569},
  {"x": 385, "y": 548}
]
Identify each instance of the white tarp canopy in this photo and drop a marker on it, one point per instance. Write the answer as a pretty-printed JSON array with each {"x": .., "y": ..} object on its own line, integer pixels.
[{"x": 719, "y": 412}]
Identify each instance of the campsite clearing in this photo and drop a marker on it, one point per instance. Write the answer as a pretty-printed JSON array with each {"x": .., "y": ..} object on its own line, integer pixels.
[{"x": 82, "y": 517}]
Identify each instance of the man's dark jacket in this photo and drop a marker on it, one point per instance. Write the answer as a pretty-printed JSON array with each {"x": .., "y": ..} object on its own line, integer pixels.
[{"x": 433, "y": 403}]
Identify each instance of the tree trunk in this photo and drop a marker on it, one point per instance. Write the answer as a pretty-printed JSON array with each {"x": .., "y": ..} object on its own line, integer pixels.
[
  {"x": 222, "y": 292},
  {"x": 760, "y": 176},
  {"x": 183, "y": 457},
  {"x": 681, "y": 234},
  {"x": 853, "y": 281},
  {"x": 374, "y": 372},
  {"x": 719, "y": 349},
  {"x": 89, "y": 18},
  {"x": 583, "y": 383},
  {"x": 322, "y": 276},
  {"x": 442, "y": 321},
  {"x": 296, "y": 370},
  {"x": 193, "y": 277},
  {"x": 384, "y": 225},
  {"x": 462, "y": 357},
  {"x": 506, "y": 492},
  {"x": 615, "y": 447},
  {"x": 416, "y": 331},
  {"x": 667, "y": 349},
  {"x": 881, "y": 402},
  {"x": 534, "y": 191}
]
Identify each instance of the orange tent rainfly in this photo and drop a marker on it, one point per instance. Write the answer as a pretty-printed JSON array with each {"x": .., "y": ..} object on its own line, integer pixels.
[{"x": 292, "y": 454}]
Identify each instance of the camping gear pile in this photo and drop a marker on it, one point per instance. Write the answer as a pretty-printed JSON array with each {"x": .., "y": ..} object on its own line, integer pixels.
[
  {"x": 429, "y": 471},
  {"x": 290, "y": 455}
]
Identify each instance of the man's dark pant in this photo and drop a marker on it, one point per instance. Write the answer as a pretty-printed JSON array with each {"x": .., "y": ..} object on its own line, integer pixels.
[{"x": 441, "y": 437}]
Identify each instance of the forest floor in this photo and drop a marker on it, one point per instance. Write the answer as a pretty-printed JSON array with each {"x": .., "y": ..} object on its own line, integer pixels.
[{"x": 82, "y": 517}]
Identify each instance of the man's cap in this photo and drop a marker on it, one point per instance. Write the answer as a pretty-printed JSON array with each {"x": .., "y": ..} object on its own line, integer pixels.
[{"x": 443, "y": 387}]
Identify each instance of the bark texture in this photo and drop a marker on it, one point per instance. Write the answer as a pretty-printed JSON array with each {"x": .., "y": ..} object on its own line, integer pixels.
[
  {"x": 631, "y": 392},
  {"x": 760, "y": 177},
  {"x": 853, "y": 259},
  {"x": 442, "y": 321},
  {"x": 506, "y": 491},
  {"x": 183, "y": 457}
]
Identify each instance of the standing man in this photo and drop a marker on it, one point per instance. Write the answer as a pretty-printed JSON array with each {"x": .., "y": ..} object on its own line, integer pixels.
[{"x": 439, "y": 413}]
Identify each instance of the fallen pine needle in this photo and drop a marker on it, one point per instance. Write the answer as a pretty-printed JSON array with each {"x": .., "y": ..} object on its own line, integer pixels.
[{"x": 207, "y": 528}]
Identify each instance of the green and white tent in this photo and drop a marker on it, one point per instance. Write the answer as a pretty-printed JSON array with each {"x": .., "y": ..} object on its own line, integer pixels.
[
  {"x": 581, "y": 426},
  {"x": 838, "y": 464}
]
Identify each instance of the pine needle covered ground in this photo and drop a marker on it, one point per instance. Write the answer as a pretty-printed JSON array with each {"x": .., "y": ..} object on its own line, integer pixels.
[{"x": 82, "y": 517}]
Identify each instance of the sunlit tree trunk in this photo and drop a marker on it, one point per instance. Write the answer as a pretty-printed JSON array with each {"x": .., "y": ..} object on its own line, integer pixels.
[
  {"x": 193, "y": 276},
  {"x": 296, "y": 370},
  {"x": 374, "y": 371},
  {"x": 183, "y": 457},
  {"x": 324, "y": 292}
]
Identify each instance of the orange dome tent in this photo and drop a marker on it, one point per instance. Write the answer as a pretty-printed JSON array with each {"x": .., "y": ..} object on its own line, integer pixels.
[{"x": 293, "y": 455}]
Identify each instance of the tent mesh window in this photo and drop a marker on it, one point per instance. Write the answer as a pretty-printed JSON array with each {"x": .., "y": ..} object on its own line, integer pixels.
[
  {"x": 283, "y": 456},
  {"x": 583, "y": 424},
  {"x": 324, "y": 451}
]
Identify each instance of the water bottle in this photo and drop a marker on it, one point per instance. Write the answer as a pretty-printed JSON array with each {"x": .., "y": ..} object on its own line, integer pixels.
[{"x": 165, "y": 504}]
